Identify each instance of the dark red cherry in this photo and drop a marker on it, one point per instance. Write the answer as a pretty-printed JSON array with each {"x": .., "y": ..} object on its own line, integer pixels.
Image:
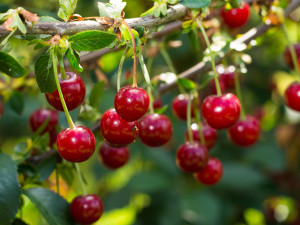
[
  {"x": 116, "y": 131},
  {"x": 155, "y": 130},
  {"x": 179, "y": 106},
  {"x": 235, "y": 18},
  {"x": 288, "y": 56},
  {"x": 212, "y": 173},
  {"x": 292, "y": 96},
  {"x": 221, "y": 112},
  {"x": 192, "y": 157},
  {"x": 1, "y": 109},
  {"x": 131, "y": 103},
  {"x": 157, "y": 104},
  {"x": 113, "y": 157},
  {"x": 213, "y": 87},
  {"x": 73, "y": 89},
  {"x": 210, "y": 135},
  {"x": 76, "y": 145},
  {"x": 227, "y": 75},
  {"x": 246, "y": 132},
  {"x": 86, "y": 209},
  {"x": 39, "y": 116}
]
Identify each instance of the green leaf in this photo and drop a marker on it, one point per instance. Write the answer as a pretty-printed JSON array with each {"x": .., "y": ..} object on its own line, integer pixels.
[
  {"x": 38, "y": 43},
  {"x": 53, "y": 207},
  {"x": 17, "y": 22},
  {"x": 91, "y": 40},
  {"x": 96, "y": 93},
  {"x": 10, "y": 66},
  {"x": 160, "y": 9},
  {"x": 161, "y": 110},
  {"x": 113, "y": 9},
  {"x": 186, "y": 83},
  {"x": 67, "y": 7},
  {"x": 148, "y": 12},
  {"x": 16, "y": 102},
  {"x": 74, "y": 59},
  {"x": 44, "y": 74},
  {"x": 10, "y": 190},
  {"x": 195, "y": 3},
  {"x": 21, "y": 152},
  {"x": 66, "y": 172},
  {"x": 19, "y": 222},
  {"x": 47, "y": 19},
  {"x": 45, "y": 168}
]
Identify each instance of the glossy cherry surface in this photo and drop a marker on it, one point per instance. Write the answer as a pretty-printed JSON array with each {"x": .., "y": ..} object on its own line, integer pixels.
[
  {"x": 155, "y": 130},
  {"x": 179, "y": 106},
  {"x": 221, "y": 112},
  {"x": 116, "y": 131},
  {"x": 131, "y": 103},
  {"x": 76, "y": 145},
  {"x": 227, "y": 75},
  {"x": 235, "y": 18},
  {"x": 157, "y": 104},
  {"x": 212, "y": 173},
  {"x": 113, "y": 157},
  {"x": 73, "y": 89},
  {"x": 209, "y": 134},
  {"x": 86, "y": 209},
  {"x": 246, "y": 132},
  {"x": 39, "y": 116},
  {"x": 288, "y": 56},
  {"x": 292, "y": 96},
  {"x": 192, "y": 157}
]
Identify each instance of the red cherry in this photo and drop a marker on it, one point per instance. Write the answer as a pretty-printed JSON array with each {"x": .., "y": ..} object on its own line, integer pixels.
[
  {"x": 86, "y": 209},
  {"x": 292, "y": 96},
  {"x": 235, "y": 18},
  {"x": 1, "y": 108},
  {"x": 210, "y": 135},
  {"x": 179, "y": 106},
  {"x": 221, "y": 112},
  {"x": 131, "y": 103},
  {"x": 192, "y": 157},
  {"x": 113, "y": 157},
  {"x": 155, "y": 130},
  {"x": 212, "y": 173},
  {"x": 76, "y": 145},
  {"x": 245, "y": 132},
  {"x": 73, "y": 89},
  {"x": 288, "y": 56},
  {"x": 116, "y": 131},
  {"x": 38, "y": 117},
  {"x": 213, "y": 87},
  {"x": 227, "y": 75},
  {"x": 157, "y": 104}
]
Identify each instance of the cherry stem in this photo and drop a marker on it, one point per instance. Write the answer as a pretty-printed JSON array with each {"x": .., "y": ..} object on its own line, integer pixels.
[
  {"x": 54, "y": 58},
  {"x": 120, "y": 67},
  {"x": 151, "y": 100},
  {"x": 239, "y": 93},
  {"x": 292, "y": 50},
  {"x": 62, "y": 67},
  {"x": 189, "y": 117},
  {"x": 80, "y": 178},
  {"x": 212, "y": 58},
  {"x": 197, "y": 117},
  {"x": 57, "y": 180},
  {"x": 134, "y": 83}
]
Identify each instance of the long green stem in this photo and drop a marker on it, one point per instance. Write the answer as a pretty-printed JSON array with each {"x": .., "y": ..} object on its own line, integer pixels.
[
  {"x": 292, "y": 50},
  {"x": 149, "y": 90},
  {"x": 120, "y": 67},
  {"x": 168, "y": 60},
  {"x": 189, "y": 117},
  {"x": 57, "y": 180},
  {"x": 80, "y": 178},
  {"x": 239, "y": 93},
  {"x": 212, "y": 58},
  {"x": 54, "y": 58},
  {"x": 197, "y": 117}
]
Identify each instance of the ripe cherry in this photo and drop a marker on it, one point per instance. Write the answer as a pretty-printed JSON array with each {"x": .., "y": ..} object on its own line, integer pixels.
[
  {"x": 86, "y": 209},
  {"x": 116, "y": 131},
  {"x": 227, "y": 75},
  {"x": 288, "y": 55},
  {"x": 235, "y": 18},
  {"x": 192, "y": 157},
  {"x": 113, "y": 157},
  {"x": 179, "y": 106},
  {"x": 131, "y": 103},
  {"x": 38, "y": 117},
  {"x": 76, "y": 145},
  {"x": 155, "y": 130},
  {"x": 292, "y": 96},
  {"x": 73, "y": 89},
  {"x": 221, "y": 112},
  {"x": 213, "y": 87},
  {"x": 210, "y": 135},
  {"x": 212, "y": 173},
  {"x": 246, "y": 132},
  {"x": 157, "y": 104}
]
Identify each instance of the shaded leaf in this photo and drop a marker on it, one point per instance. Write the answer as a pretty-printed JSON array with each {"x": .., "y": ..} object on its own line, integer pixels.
[
  {"x": 186, "y": 83},
  {"x": 10, "y": 66},
  {"x": 195, "y": 3},
  {"x": 45, "y": 168},
  {"x": 16, "y": 102},
  {"x": 74, "y": 59},
  {"x": 96, "y": 93}
]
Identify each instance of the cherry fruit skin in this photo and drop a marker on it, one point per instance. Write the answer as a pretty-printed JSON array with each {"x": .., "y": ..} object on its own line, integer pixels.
[
  {"x": 155, "y": 130},
  {"x": 39, "y": 116},
  {"x": 131, "y": 103},
  {"x": 86, "y": 209},
  {"x": 245, "y": 132},
  {"x": 116, "y": 131},
  {"x": 209, "y": 134},
  {"x": 212, "y": 173},
  {"x": 221, "y": 112},
  {"x": 213, "y": 87},
  {"x": 179, "y": 106},
  {"x": 288, "y": 56},
  {"x": 235, "y": 18},
  {"x": 113, "y": 157},
  {"x": 292, "y": 96},
  {"x": 76, "y": 145},
  {"x": 157, "y": 104},
  {"x": 192, "y": 157},
  {"x": 73, "y": 89},
  {"x": 227, "y": 76}
]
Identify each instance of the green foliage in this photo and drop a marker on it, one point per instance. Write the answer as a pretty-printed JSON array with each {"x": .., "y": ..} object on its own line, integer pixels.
[
  {"x": 10, "y": 66},
  {"x": 196, "y": 3},
  {"x": 67, "y": 7},
  {"x": 45, "y": 168},
  {"x": 186, "y": 83},
  {"x": 113, "y": 9},
  {"x": 96, "y": 94},
  {"x": 74, "y": 59},
  {"x": 16, "y": 102}
]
